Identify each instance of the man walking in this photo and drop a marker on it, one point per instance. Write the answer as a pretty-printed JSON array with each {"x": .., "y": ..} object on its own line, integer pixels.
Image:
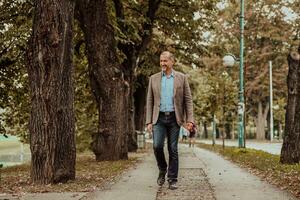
[{"x": 169, "y": 105}]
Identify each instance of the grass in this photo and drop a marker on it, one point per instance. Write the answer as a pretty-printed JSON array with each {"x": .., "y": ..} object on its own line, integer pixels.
[
  {"x": 90, "y": 175},
  {"x": 264, "y": 165}
]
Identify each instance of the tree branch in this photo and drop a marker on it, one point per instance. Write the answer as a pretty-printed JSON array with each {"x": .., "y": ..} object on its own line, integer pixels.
[
  {"x": 125, "y": 48},
  {"x": 153, "y": 6},
  {"x": 119, "y": 9}
]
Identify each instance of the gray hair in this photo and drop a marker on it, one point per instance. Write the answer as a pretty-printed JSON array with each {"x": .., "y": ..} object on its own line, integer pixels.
[{"x": 169, "y": 54}]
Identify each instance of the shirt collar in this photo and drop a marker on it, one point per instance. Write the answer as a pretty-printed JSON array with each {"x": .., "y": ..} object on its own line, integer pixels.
[{"x": 172, "y": 74}]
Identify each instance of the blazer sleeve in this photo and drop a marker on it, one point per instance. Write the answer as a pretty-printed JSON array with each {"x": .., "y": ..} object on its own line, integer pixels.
[
  {"x": 149, "y": 103},
  {"x": 188, "y": 101}
]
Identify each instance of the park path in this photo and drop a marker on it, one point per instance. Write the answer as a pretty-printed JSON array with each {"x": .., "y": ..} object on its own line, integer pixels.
[
  {"x": 140, "y": 183},
  {"x": 203, "y": 175},
  {"x": 264, "y": 145}
]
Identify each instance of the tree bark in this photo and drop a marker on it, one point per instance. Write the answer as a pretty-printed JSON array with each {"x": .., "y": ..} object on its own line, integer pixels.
[
  {"x": 260, "y": 121},
  {"x": 131, "y": 128},
  {"x": 233, "y": 130},
  {"x": 217, "y": 131},
  {"x": 280, "y": 131},
  {"x": 290, "y": 152},
  {"x": 228, "y": 130},
  {"x": 140, "y": 104},
  {"x": 107, "y": 82},
  {"x": 268, "y": 135},
  {"x": 205, "y": 130},
  {"x": 50, "y": 69}
]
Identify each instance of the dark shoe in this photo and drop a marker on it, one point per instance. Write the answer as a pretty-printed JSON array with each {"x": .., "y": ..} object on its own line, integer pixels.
[
  {"x": 161, "y": 178},
  {"x": 173, "y": 185}
]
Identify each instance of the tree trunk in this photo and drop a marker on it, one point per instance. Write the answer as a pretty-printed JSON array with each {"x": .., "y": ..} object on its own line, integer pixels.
[
  {"x": 140, "y": 103},
  {"x": 217, "y": 131},
  {"x": 280, "y": 131},
  {"x": 140, "y": 111},
  {"x": 228, "y": 131},
  {"x": 290, "y": 152},
  {"x": 233, "y": 130},
  {"x": 205, "y": 130},
  {"x": 260, "y": 121},
  {"x": 50, "y": 68},
  {"x": 106, "y": 77},
  {"x": 132, "y": 135},
  {"x": 268, "y": 136},
  {"x": 132, "y": 52}
]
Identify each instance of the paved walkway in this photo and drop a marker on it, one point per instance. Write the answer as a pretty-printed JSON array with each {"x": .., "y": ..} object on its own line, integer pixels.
[
  {"x": 231, "y": 182},
  {"x": 267, "y": 146},
  {"x": 140, "y": 184},
  {"x": 203, "y": 175}
]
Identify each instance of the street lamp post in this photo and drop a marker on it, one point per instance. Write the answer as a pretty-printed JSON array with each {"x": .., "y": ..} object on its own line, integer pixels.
[
  {"x": 229, "y": 61},
  {"x": 241, "y": 75},
  {"x": 214, "y": 130},
  {"x": 271, "y": 104}
]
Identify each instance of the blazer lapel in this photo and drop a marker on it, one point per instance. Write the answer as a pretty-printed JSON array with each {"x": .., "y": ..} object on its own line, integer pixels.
[
  {"x": 175, "y": 82},
  {"x": 158, "y": 82}
]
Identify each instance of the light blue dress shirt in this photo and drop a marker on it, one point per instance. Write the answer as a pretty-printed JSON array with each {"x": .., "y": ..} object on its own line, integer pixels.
[{"x": 166, "y": 95}]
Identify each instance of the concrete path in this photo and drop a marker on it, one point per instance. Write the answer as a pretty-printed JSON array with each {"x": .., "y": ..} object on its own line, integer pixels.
[
  {"x": 138, "y": 183},
  {"x": 203, "y": 175},
  {"x": 267, "y": 146},
  {"x": 231, "y": 182}
]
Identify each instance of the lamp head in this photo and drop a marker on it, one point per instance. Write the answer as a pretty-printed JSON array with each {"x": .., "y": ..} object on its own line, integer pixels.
[{"x": 229, "y": 60}]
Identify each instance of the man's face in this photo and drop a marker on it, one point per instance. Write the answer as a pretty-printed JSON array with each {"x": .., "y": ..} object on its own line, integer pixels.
[{"x": 165, "y": 62}]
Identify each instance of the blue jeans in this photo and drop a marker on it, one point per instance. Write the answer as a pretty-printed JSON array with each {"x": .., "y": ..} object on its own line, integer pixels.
[{"x": 166, "y": 126}]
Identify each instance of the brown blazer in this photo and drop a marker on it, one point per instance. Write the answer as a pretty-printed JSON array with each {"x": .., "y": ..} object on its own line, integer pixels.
[{"x": 182, "y": 99}]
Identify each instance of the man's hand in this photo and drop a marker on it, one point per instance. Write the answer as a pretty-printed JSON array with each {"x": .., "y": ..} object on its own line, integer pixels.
[
  {"x": 189, "y": 126},
  {"x": 149, "y": 128}
]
